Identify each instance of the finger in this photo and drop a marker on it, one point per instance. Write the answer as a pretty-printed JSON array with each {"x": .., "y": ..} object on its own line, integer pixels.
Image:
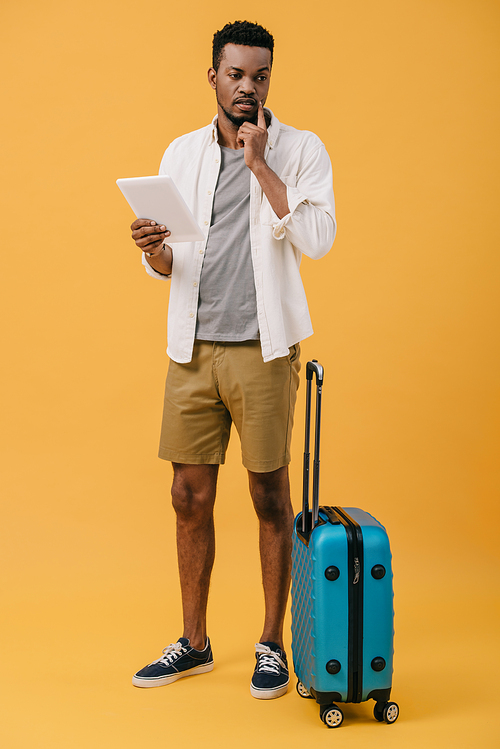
[
  {"x": 148, "y": 230},
  {"x": 149, "y": 244},
  {"x": 142, "y": 222},
  {"x": 148, "y": 247},
  {"x": 261, "y": 120},
  {"x": 248, "y": 127},
  {"x": 159, "y": 237},
  {"x": 155, "y": 242},
  {"x": 156, "y": 238},
  {"x": 240, "y": 138}
]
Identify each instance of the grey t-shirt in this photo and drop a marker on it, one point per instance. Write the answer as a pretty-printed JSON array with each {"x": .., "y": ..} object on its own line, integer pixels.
[{"x": 227, "y": 307}]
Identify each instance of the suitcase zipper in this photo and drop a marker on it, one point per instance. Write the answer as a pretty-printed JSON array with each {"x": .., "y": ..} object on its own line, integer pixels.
[
  {"x": 357, "y": 569},
  {"x": 355, "y": 562}
]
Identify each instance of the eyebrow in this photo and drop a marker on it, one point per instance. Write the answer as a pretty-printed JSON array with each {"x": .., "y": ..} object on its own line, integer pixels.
[{"x": 240, "y": 70}]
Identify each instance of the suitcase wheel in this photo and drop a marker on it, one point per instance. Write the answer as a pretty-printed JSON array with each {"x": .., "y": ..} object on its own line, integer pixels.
[
  {"x": 331, "y": 715},
  {"x": 391, "y": 712},
  {"x": 303, "y": 691},
  {"x": 386, "y": 712}
]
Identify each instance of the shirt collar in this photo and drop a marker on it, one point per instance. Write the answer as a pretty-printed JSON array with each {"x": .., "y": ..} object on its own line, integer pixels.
[{"x": 272, "y": 131}]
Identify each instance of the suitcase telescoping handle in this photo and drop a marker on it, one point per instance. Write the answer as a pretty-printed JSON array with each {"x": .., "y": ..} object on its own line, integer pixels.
[{"x": 312, "y": 367}]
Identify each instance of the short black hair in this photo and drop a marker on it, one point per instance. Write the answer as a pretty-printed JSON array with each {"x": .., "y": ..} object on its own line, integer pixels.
[{"x": 240, "y": 32}]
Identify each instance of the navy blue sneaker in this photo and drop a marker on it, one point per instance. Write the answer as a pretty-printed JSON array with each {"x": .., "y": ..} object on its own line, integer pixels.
[
  {"x": 178, "y": 660},
  {"x": 270, "y": 678}
]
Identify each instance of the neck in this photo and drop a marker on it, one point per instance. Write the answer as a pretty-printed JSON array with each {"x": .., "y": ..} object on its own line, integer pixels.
[{"x": 227, "y": 130}]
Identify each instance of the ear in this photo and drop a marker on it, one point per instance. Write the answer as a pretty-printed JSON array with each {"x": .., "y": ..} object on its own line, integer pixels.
[{"x": 212, "y": 77}]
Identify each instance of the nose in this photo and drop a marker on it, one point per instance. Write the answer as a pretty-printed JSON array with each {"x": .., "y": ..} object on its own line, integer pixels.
[{"x": 247, "y": 86}]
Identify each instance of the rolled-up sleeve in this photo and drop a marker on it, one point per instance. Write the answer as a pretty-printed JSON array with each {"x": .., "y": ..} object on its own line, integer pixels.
[{"x": 310, "y": 225}]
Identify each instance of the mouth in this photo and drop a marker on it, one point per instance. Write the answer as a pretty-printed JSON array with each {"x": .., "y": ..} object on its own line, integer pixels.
[{"x": 245, "y": 105}]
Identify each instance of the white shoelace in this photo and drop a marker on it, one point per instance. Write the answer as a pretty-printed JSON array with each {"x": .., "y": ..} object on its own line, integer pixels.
[
  {"x": 269, "y": 660},
  {"x": 171, "y": 653}
]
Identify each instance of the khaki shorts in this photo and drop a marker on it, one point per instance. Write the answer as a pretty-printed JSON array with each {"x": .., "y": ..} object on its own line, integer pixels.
[{"x": 224, "y": 383}]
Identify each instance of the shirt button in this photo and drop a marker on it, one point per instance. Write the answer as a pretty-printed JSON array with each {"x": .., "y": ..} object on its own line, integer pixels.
[
  {"x": 191, "y": 314},
  {"x": 201, "y": 252},
  {"x": 195, "y": 284},
  {"x": 216, "y": 161},
  {"x": 210, "y": 192},
  {"x": 206, "y": 223}
]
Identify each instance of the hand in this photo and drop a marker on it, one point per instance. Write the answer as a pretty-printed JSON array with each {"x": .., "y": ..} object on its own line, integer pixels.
[
  {"x": 254, "y": 138},
  {"x": 147, "y": 235}
]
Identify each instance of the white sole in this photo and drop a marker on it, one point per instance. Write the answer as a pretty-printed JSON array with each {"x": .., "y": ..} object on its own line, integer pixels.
[
  {"x": 160, "y": 681},
  {"x": 268, "y": 694}
]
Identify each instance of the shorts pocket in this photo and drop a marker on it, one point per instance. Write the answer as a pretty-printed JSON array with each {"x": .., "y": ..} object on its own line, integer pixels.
[{"x": 294, "y": 353}]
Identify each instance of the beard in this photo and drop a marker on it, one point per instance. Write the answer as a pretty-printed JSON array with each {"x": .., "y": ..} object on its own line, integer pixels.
[{"x": 238, "y": 120}]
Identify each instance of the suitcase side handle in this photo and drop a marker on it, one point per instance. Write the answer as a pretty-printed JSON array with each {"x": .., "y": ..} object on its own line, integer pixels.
[{"x": 311, "y": 368}]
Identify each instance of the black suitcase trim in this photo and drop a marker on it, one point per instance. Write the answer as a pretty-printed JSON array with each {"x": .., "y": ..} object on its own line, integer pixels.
[
  {"x": 305, "y": 537},
  {"x": 354, "y": 536},
  {"x": 325, "y": 698},
  {"x": 380, "y": 695}
]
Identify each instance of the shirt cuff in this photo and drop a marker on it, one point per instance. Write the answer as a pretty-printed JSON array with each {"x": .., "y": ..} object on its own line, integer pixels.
[{"x": 294, "y": 198}]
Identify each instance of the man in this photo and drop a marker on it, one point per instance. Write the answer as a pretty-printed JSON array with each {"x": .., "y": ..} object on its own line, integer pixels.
[{"x": 262, "y": 191}]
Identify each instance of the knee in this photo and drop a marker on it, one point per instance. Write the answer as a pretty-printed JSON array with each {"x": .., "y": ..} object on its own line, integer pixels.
[
  {"x": 272, "y": 503},
  {"x": 192, "y": 501},
  {"x": 189, "y": 502}
]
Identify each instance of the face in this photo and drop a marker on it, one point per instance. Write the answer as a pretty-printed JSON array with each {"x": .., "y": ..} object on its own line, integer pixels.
[{"x": 241, "y": 82}]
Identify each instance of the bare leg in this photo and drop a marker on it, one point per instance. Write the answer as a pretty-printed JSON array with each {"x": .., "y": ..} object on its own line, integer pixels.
[
  {"x": 193, "y": 498},
  {"x": 271, "y": 498}
]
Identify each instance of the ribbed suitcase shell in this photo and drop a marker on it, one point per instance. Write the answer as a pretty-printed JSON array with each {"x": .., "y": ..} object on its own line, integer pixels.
[{"x": 320, "y": 611}]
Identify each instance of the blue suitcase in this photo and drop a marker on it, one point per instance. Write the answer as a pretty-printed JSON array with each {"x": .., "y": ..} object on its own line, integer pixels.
[{"x": 342, "y": 597}]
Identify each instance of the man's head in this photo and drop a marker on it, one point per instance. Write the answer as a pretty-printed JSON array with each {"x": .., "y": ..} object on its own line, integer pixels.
[
  {"x": 240, "y": 32},
  {"x": 242, "y": 60}
]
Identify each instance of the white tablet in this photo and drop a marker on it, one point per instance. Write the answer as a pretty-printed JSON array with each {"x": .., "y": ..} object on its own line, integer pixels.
[{"x": 158, "y": 198}]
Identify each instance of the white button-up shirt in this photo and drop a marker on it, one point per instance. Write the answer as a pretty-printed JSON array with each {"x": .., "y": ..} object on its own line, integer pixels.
[{"x": 300, "y": 160}]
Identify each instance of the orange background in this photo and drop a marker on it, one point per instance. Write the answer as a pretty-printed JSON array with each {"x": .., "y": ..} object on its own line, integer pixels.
[{"x": 406, "y": 313}]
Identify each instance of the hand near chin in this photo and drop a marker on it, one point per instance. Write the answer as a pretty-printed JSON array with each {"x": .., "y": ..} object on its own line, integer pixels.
[{"x": 253, "y": 138}]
